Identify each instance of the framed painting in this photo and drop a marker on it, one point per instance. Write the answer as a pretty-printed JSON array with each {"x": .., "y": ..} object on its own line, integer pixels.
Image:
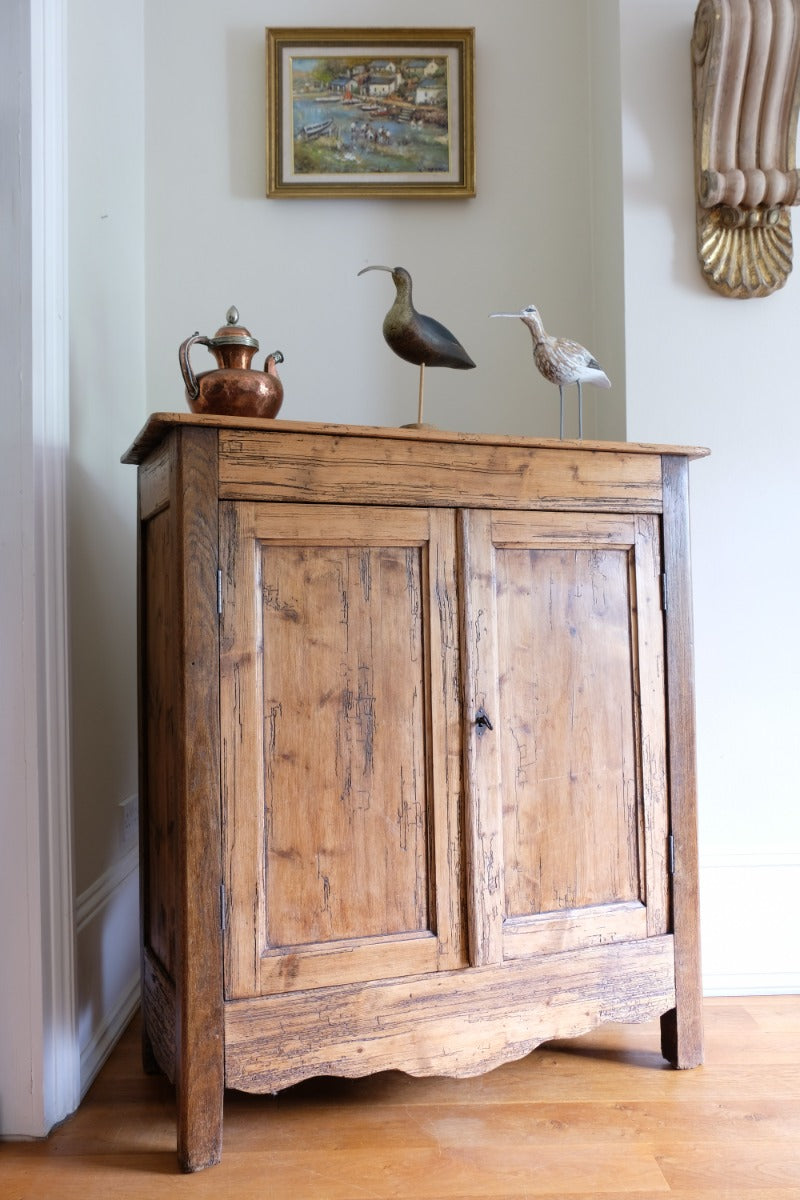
[{"x": 370, "y": 112}]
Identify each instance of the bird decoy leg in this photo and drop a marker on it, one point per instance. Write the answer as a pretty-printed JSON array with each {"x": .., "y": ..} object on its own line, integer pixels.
[
  {"x": 421, "y": 390},
  {"x": 561, "y": 416},
  {"x": 580, "y": 410}
]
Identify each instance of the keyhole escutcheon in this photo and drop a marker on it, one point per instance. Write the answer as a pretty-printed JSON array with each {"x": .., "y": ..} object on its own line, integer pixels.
[{"x": 482, "y": 722}]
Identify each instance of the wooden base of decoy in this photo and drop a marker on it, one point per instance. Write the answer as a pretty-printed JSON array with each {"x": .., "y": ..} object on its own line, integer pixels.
[{"x": 419, "y": 425}]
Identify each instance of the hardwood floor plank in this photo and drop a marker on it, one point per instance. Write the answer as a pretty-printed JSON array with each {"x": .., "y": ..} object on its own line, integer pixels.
[
  {"x": 776, "y": 1014},
  {"x": 425, "y": 1174},
  {"x": 743, "y": 1165}
]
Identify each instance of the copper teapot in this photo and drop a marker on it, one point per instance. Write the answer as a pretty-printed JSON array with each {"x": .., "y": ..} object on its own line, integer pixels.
[{"x": 233, "y": 389}]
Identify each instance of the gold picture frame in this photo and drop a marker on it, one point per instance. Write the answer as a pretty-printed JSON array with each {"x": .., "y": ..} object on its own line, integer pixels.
[{"x": 370, "y": 112}]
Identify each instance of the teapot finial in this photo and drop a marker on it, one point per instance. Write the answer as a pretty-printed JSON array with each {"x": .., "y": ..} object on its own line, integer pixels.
[{"x": 232, "y": 315}]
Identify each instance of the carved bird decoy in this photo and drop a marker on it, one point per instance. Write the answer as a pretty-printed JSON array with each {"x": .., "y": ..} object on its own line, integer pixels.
[
  {"x": 561, "y": 361},
  {"x": 416, "y": 338}
]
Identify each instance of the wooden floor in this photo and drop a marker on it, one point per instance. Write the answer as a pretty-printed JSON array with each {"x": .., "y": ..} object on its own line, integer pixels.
[{"x": 602, "y": 1116}]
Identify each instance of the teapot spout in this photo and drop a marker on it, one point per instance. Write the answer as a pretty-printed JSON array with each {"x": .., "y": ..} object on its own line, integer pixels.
[{"x": 271, "y": 363}]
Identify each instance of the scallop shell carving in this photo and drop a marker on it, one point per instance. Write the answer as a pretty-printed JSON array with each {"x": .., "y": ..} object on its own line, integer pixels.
[{"x": 744, "y": 261}]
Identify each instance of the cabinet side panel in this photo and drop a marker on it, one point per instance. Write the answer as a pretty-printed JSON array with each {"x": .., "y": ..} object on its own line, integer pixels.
[
  {"x": 199, "y": 1024},
  {"x": 160, "y": 718}
]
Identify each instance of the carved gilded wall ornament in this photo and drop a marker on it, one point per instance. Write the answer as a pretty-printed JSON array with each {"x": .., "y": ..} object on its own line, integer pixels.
[{"x": 746, "y": 67}]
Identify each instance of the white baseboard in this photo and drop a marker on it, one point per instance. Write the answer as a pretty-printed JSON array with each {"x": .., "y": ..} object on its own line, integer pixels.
[
  {"x": 759, "y": 984},
  {"x": 748, "y": 914},
  {"x": 108, "y": 977},
  {"x": 105, "y": 1037}
]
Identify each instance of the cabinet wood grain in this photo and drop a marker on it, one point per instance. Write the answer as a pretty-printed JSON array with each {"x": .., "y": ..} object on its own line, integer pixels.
[{"x": 417, "y": 752}]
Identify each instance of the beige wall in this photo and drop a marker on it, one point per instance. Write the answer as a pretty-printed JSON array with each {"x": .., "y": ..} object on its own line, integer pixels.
[
  {"x": 718, "y": 372},
  {"x": 291, "y": 265},
  {"x": 107, "y": 404}
]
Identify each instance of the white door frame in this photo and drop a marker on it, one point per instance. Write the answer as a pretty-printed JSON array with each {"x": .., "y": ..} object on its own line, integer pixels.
[{"x": 39, "y": 1058}]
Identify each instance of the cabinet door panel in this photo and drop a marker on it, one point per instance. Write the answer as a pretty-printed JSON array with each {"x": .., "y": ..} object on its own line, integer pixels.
[
  {"x": 339, "y": 670},
  {"x": 572, "y": 784},
  {"x": 566, "y": 736},
  {"x": 327, "y": 682}
]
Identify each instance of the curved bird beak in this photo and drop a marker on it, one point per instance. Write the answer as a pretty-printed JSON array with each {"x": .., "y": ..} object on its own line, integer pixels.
[
  {"x": 504, "y": 314},
  {"x": 389, "y": 269}
]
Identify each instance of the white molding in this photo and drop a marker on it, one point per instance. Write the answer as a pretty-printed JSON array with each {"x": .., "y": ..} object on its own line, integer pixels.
[
  {"x": 50, "y": 437},
  {"x": 40, "y": 1073},
  {"x": 89, "y": 904},
  {"x": 108, "y": 949},
  {"x": 747, "y": 948},
  {"x": 106, "y": 1036},
  {"x": 757, "y": 983}
]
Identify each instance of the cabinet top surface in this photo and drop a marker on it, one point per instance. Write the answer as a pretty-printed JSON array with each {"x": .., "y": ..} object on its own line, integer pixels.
[{"x": 158, "y": 425}]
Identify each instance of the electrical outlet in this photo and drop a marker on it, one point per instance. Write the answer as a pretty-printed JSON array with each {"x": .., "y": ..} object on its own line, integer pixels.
[{"x": 128, "y": 822}]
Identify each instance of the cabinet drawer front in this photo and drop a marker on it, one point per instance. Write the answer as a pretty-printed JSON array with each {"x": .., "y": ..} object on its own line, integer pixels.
[
  {"x": 568, "y": 792},
  {"x": 339, "y": 674}
]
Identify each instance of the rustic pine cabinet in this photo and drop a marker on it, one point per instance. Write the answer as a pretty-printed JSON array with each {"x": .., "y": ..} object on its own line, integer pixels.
[{"x": 417, "y": 752}]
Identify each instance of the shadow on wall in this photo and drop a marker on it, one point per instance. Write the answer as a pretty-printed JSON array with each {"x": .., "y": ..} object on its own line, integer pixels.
[
  {"x": 104, "y": 756},
  {"x": 663, "y": 133},
  {"x": 245, "y": 57}
]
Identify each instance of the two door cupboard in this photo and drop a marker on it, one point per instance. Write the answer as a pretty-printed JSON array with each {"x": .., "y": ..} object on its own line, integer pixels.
[{"x": 417, "y": 782}]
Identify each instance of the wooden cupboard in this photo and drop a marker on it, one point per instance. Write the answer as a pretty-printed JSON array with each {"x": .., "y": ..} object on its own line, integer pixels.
[{"x": 417, "y": 771}]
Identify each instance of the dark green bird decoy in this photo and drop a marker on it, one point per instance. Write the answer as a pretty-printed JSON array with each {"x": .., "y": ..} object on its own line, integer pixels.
[{"x": 416, "y": 338}]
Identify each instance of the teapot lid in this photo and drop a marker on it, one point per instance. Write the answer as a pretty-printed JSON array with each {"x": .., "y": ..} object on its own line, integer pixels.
[{"x": 232, "y": 333}]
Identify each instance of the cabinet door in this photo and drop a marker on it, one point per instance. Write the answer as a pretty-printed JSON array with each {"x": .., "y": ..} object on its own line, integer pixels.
[
  {"x": 567, "y": 792},
  {"x": 340, "y": 745}
]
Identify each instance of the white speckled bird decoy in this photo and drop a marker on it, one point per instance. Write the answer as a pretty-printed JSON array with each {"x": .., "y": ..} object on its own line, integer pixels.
[{"x": 561, "y": 361}]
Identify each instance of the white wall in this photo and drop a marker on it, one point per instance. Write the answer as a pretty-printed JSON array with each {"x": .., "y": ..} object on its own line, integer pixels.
[
  {"x": 703, "y": 369},
  {"x": 291, "y": 265},
  {"x": 107, "y": 398}
]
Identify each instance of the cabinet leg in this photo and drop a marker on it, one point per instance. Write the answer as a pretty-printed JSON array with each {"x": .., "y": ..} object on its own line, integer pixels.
[
  {"x": 681, "y": 1040},
  {"x": 199, "y": 1094}
]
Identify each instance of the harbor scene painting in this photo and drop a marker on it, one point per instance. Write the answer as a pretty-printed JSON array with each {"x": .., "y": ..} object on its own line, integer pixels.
[
  {"x": 369, "y": 117},
  {"x": 357, "y": 115}
]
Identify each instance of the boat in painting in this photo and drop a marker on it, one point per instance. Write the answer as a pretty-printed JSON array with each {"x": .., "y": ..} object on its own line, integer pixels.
[{"x": 310, "y": 132}]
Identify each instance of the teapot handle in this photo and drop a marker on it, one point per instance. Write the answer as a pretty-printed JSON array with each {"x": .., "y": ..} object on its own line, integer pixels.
[{"x": 189, "y": 377}]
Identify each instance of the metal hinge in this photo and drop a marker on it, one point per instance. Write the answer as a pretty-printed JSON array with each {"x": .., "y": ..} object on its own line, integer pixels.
[
  {"x": 219, "y": 592},
  {"x": 664, "y": 591},
  {"x": 671, "y": 854},
  {"x": 222, "y": 907}
]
